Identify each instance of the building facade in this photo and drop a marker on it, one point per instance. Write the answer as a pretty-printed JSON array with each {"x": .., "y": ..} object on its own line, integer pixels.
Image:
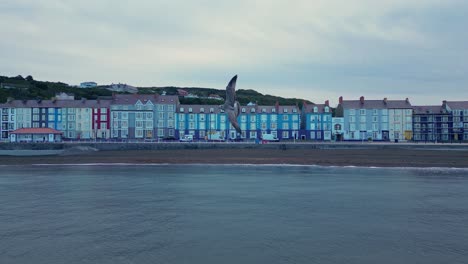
[
  {"x": 317, "y": 122},
  {"x": 381, "y": 120}
]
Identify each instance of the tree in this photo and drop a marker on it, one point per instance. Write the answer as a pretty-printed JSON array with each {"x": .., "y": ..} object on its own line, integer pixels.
[{"x": 29, "y": 78}]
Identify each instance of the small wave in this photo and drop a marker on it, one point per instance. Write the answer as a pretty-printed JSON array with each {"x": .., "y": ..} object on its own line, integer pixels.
[{"x": 257, "y": 165}]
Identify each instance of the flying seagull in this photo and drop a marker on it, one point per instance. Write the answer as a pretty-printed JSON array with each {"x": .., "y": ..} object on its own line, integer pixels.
[{"x": 231, "y": 106}]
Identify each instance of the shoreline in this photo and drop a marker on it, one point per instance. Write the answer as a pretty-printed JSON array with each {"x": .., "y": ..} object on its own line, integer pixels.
[{"x": 401, "y": 158}]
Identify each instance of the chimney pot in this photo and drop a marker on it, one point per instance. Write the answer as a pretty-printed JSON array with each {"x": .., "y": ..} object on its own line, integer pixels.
[
  {"x": 327, "y": 103},
  {"x": 361, "y": 99},
  {"x": 340, "y": 100},
  {"x": 385, "y": 100}
]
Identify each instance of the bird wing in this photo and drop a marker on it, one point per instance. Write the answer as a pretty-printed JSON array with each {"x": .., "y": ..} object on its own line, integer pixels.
[{"x": 231, "y": 91}]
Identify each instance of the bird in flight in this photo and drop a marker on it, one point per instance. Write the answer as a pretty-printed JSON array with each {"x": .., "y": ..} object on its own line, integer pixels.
[{"x": 231, "y": 106}]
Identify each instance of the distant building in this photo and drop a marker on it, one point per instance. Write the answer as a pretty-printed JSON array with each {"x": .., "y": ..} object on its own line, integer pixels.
[
  {"x": 88, "y": 85},
  {"x": 64, "y": 96},
  {"x": 182, "y": 92},
  {"x": 122, "y": 87},
  {"x": 376, "y": 119},
  {"x": 431, "y": 123},
  {"x": 36, "y": 135},
  {"x": 317, "y": 120},
  {"x": 459, "y": 111}
]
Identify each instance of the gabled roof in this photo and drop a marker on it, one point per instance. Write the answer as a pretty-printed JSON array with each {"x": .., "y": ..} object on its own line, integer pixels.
[
  {"x": 457, "y": 104},
  {"x": 376, "y": 104},
  {"x": 131, "y": 99},
  {"x": 168, "y": 99},
  {"x": 428, "y": 109},
  {"x": 196, "y": 109},
  {"x": 309, "y": 108},
  {"x": 57, "y": 103},
  {"x": 259, "y": 109},
  {"x": 41, "y": 130},
  {"x": 289, "y": 109}
]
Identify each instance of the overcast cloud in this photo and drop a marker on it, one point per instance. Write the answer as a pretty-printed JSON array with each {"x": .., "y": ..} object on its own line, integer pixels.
[{"x": 312, "y": 49}]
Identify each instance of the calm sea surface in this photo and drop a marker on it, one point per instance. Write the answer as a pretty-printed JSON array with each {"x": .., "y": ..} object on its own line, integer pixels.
[{"x": 232, "y": 214}]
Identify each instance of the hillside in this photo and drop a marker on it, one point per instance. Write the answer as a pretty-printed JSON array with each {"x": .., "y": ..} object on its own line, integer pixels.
[
  {"x": 27, "y": 88},
  {"x": 243, "y": 96}
]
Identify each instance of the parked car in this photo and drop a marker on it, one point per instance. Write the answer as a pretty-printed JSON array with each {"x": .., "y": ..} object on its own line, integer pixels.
[{"x": 187, "y": 138}]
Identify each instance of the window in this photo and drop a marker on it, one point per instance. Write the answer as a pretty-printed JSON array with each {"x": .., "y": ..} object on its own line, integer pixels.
[
  {"x": 181, "y": 109},
  {"x": 352, "y": 112},
  {"x": 327, "y": 109},
  {"x": 103, "y": 117},
  {"x": 285, "y": 126},
  {"x": 139, "y": 133},
  {"x": 312, "y": 135},
  {"x": 252, "y": 110},
  {"x": 252, "y": 118},
  {"x": 362, "y": 111},
  {"x": 190, "y": 110},
  {"x": 285, "y": 117},
  {"x": 285, "y": 134},
  {"x": 315, "y": 109},
  {"x": 273, "y": 125},
  {"x": 243, "y": 110}
]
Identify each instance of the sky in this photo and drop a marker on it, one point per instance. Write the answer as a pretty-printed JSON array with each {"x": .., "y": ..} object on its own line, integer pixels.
[{"x": 312, "y": 49}]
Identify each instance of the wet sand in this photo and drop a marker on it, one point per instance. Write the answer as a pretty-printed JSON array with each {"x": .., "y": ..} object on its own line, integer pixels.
[{"x": 326, "y": 157}]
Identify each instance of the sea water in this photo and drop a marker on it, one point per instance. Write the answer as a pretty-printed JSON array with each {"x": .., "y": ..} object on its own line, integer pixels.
[{"x": 232, "y": 214}]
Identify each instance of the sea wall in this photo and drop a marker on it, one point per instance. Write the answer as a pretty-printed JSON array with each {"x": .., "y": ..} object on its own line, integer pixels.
[{"x": 224, "y": 145}]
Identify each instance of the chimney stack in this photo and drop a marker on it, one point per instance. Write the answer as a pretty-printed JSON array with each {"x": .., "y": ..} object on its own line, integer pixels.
[
  {"x": 340, "y": 100},
  {"x": 361, "y": 99},
  {"x": 385, "y": 100},
  {"x": 407, "y": 100},
  {"x": 327, "y": 103}
]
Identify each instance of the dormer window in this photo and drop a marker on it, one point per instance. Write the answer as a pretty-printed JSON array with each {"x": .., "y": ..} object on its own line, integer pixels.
[
  {"x": 294, "y": 110},
  {"x": 263, "y": 110},
  {"x": 252, "y": 110},
  {"x": 190, "y": 110},
  {"x": 182, "y": 109},
  {"x": 243, "y": 110},
  {"x": 285, "y": 110},
  {"x": 327, "y": 109},
  {"x": 273, "y": 110},
  {"x": 315, "y": 109},
  {"x": 211, "y": 110},
  {"x": 202, "y": 110}
]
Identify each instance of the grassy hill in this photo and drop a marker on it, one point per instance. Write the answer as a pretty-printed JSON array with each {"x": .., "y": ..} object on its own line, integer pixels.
[
  {"x": 243, "y": 96},
  {"x": 25, "y": 88},
  {"x": 28, "y": 88}
]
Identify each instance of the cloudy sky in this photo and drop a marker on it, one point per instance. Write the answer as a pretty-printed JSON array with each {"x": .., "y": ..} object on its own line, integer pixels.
[{"x": 311, "y": 49}]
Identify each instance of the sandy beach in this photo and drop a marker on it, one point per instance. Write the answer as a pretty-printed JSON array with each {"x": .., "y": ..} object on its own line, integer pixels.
[{"x": 326, "y": 157}]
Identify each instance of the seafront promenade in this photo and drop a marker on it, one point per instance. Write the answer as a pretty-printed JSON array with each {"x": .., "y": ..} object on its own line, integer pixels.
[{"x": 327, "y": 154}]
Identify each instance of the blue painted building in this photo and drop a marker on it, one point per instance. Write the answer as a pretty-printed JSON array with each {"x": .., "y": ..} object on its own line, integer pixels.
[{"x": 317, "y": 122}]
